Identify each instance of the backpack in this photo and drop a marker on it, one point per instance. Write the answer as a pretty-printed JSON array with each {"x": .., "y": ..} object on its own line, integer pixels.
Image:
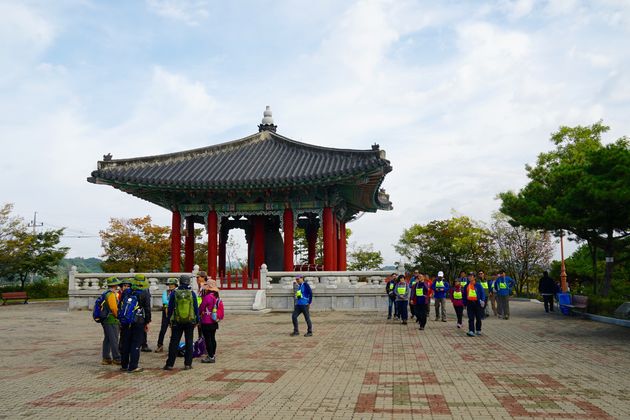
[
  {"x": 101, "y": 310},
  {"x": 129, "y": 308},
  {"x": 184, "y": 309},
  {"x": 217, "y": 310},
  {"x": 199, "y": 347}
]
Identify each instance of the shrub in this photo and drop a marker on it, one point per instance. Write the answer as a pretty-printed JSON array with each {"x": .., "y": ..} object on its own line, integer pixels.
[
  {"x": 42, "y": 289},
  {"x": 605, "y": 306}
]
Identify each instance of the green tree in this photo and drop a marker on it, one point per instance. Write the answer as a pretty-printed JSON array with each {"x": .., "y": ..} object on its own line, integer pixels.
[
  {"x": 135, "y": 243},
  {"x": 24, "y": 253},
  {"x": 363, "y": 257},
  {"x": 451, "y": 245},
  {"x": 523, "y": 253},
  {"x": 582, "y": 187},
  {"x": 301, "y": 245}
]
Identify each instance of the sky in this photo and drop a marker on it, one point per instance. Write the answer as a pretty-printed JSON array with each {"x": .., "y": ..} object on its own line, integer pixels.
[{"x": 460, "y": 94}]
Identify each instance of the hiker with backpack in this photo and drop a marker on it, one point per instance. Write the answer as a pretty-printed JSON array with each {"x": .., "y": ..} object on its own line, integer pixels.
[
  {"x": 134, "y": 315},
  {"x": 211, "y": 311},
  {"x": 171, "y": 285},
  {"x": 143, "y": 285},
  {"x": 303, "y": 299},
  {"x": 106, "y": 312},
  {"x": 183, "y": 314}
]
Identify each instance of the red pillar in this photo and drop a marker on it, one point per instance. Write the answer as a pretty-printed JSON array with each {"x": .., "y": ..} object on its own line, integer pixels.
[
  {"x": 189, "y": 246},
  {"x": 176, "y": 242},
  {"x": 259, "y": 244},
  {"x": 223, "y": 237},
  {"x": 328, "y": 231},
  {"x": 287, "y": 222},
  {"x": 335, "y": 242},
  {"x": 341, "y": 248},
  {"x": 311, "y": 238},
  {"x": 212, "y": 244}
]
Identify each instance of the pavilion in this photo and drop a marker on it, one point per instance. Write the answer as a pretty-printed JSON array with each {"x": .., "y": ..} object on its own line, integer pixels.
[{"x": 264, "y": 183}]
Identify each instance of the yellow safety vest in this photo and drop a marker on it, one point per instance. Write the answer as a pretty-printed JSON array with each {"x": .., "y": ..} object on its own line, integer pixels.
[
  {"x": 391, "y": 286},
  {"x": 457, "y": 295},
  {"x": 484, "y": 284},
  {"x": 439, "y": 284},
  {"x": 419, "y": 291},
  {"x": 298, "y": 294},
  {"x": 401, "y": 290},
  {"x": 502, "y": 285},
  {"x": 472, "y": 293}
]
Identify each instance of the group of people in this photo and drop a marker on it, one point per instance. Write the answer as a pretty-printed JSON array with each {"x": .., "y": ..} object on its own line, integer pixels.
[
  {"x": 124, "y": 311},
  {"x": 471, "y": 291}
]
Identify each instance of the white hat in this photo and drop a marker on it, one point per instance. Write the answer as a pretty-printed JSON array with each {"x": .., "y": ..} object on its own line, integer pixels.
[{"x": 440, "y": 273}]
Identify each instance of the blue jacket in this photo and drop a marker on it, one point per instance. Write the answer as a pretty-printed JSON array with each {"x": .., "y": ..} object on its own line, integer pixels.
[
  {"x": 481, "y": 296},
  {"x": 503, "y": 286},
  {"x": 171, "y": 303},
  {"x": 440, "y": 294},
  {"x": 306, "y": 294}
]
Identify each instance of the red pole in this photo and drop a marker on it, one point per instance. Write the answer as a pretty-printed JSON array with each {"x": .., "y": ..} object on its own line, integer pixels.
[
  {"x": 189, "y": 253},
  {"x": 341, "y": 248},
  {"x": 212, "y": 244},
  {"x": 328, "y": 239},
  {"x": 259, "y": 244},
  {"x": 245, "y": 276},
  {"x": 176, "y": 242},
  {"x": 229, "y": 280},
  {"x": 287, "y": 220}
]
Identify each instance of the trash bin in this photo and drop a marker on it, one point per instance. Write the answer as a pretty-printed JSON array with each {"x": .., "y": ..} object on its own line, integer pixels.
[{"x": 564, "y": 299}]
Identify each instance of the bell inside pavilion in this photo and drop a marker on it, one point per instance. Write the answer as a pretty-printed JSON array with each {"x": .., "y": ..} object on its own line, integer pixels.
[{"x": 266, "y": 184}]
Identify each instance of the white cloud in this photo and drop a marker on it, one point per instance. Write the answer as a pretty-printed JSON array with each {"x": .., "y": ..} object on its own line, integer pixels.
[{"x": 190, "y": 12}]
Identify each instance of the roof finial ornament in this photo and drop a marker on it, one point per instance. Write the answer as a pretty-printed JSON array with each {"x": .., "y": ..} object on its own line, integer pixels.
[{"x": 267, "y": 121}]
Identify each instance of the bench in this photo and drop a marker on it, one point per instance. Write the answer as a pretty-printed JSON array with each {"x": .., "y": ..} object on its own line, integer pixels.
[
  {"x": 579, "y": 304},
  {"x": 14, "y": 296}
]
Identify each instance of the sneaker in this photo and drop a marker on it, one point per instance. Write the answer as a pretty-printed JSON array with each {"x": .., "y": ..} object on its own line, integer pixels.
[
  {"x": 208, "y": 359},
  {"x": 294, "y": 334},
  {"x": 167, "y": 367},
  {"x": 136, "y": 370},
  {"x": 404, "y": 323},
  {"x": 478, "y": 333},
  {"x": 506, "y": 317},
  {"x": 421, "y": 328},
  {"x": 308, "y": 334},
  {"x": 146, "y": 349},
  {"x": 389, "y": 317},
  {"x": 116, "y": 362},
  {"x": 123, "y": 369},
  {"x": 436, "y": 319},
  {"x": 459, "y": 325},
  {"x": 444, "y": 320},
  {"x": 470, "y": 334},
  {"x": 106, "y": 362},
  {"x": 159, "y": 349},
  {"x": 187, "y": 367}
]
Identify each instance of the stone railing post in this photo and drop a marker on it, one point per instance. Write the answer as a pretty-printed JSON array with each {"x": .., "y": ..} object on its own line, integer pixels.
[
  {"x": 264, "y": 284},
  {"x": 72, "y": 284}
]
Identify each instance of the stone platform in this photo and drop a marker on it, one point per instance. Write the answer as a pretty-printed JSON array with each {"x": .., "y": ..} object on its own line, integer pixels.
[{"x": 357, "y": 365}]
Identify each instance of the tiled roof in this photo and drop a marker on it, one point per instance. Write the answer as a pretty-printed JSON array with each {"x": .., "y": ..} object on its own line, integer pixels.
[{"x": 262, "y": 160}]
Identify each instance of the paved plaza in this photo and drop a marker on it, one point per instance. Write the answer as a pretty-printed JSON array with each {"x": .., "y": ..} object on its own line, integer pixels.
[{"x": 357, "y": 365}]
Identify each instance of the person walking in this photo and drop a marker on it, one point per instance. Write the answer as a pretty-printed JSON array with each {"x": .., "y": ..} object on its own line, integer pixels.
[
  {"x": 440, "y": 290},
  {"x": 183, "y": 314},
  {"x": 456, "y": 293},
  {"x": 391, "y": 302},
  {"x": 547, "y": 288},
  {"x": 412, "y": 300},
  {"x": 171, "y": 284},
  {"x": 142, "y": 284},
  {"x": 135, "y": 317},
  {"x": 303, "y": 299},
  {"x": 420, "y": 293},
  {"x": 503, "y": 288},
  {"x": 492, "y": 295},
  {"x": 402, "y": 298},
  {"x": 481, "y": 279},
  {"x": 111, "y": 326},
  {"x": 211, "y": 313},
  {"x": 475, "y": 300},
  {"x": 429, "y": 283}
]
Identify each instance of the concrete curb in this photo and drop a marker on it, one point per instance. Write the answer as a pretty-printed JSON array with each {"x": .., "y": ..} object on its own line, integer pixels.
[{"x": 608, "y": 320}]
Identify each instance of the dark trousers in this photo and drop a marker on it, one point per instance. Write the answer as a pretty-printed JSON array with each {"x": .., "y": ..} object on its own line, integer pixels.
[
  {"x": 301, "y": 309},
  {"x": 176, "y": 334},
  {"x": 402, "y": 309},
  {"x": 548, "y": 300},
  {"x": 412, "y": 310},
  {"x": 474, "y": 311},
  {"x": 392, "y": 304},
  {"x": 459, "y": 311},
  {"x": 130, "y": 347},
  {"x": 421, "y": 313},
  {"x": 209, "y": 331},
  {"x": 163, "y": 328}
]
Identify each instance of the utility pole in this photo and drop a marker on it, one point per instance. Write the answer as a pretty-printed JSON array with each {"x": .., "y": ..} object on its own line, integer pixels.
[
  {"x": 563, "y": 271},
  {"x": 34, "y": 225}
]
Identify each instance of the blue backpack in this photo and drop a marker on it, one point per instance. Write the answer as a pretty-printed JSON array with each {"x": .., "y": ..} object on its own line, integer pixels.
[
  {"x": 100, "y": 311},
  {"x": 128, "y": 309}
]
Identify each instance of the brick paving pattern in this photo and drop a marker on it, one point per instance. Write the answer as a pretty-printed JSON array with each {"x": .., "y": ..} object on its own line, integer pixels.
[{"x": 357, "y": 365}]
